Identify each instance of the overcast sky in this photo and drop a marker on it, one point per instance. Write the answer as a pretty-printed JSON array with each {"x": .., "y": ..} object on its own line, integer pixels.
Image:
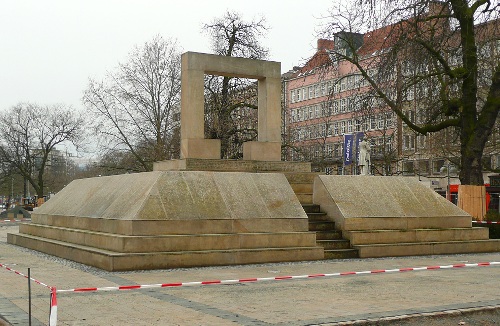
[{"x": 50, "y": 48}]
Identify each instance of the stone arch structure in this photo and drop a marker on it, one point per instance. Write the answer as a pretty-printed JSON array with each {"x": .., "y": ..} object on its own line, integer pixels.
[{"x": 268, "y": 74}]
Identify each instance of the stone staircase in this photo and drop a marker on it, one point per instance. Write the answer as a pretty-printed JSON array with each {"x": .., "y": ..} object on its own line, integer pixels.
[
  {"x": 326, "y": 235},
  {"x": 398, "y": 216}
]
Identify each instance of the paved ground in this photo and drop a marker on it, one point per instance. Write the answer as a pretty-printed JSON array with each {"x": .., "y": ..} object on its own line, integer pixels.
[{"x": 458, "y": 296}]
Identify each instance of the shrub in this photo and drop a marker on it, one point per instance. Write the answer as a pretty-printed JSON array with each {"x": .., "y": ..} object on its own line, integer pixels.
[{"x": 492, "y": 215}]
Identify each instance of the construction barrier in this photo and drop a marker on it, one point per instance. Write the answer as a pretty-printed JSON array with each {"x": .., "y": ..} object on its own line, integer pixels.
[
  {"x": 54, "y": 291},
  {"x": 53, "y": 299},
  {"x": 277, "y": 278}
]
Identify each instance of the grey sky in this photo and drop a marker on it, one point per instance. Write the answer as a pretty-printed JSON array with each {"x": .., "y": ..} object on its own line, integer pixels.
[{"x": 49, "y": 48}]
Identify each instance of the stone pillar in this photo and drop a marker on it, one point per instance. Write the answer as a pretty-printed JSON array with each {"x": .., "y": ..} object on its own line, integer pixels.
[{"x": 193, "y": 142}]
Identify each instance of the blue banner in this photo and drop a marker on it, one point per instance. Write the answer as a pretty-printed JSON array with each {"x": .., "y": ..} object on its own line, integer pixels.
[{"x": 348, "y": 149}]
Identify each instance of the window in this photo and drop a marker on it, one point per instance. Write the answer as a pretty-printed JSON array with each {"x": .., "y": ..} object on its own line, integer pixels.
[
  {"x": 329, "y": 87},
  {"x": 343, "y": 104},
  {"x": 329, "y": 149},
  {"x": 316, "y": 90},
  {"x": 388, "y": 121},
  {"x": 293, "y": 116},
  {"x": 349, "y": 126},
  {"x": 293, "y": 96},
  {"x": 372, "y": 122},
  {"x": 408, "y": 168},
  {"x": 343, "y": 84},
  {"x": 299, "y": 114},
  {"x": 317, "y": 110},
  {"x": 410, "y": 114},
  {"x": 336, "y": 128},
  {"x": 357, "y": 125},
  {"x": 311, "y": 92},
  {"x": 408, "y": 142},
  {"x": 323, "y": 130},
  {"x": 342, "y": 127},
  {"x": 336, "y": 150},
  {"x": 311, "y": 112},
  {"x": 323, "y": 89},
  {"x": 381, "y": 121},
  {"x": 299, "y": 93},
  {"x": 350, "y": 82},
  {"x": 436, "y": 166},
  {"x": 329, "y": 129},
  {"x": 336, "y": 107},
  {"x": 410, "y": 95}
]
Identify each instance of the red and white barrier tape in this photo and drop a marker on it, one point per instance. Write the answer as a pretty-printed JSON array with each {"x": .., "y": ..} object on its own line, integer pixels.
[
  {"x": 278, "y": 278},
  {"x": 53, "y": 307},
  {"x": 53, "y": 299},
  {"x": 16, "y": 220},
  {"x": 486, "y": 222},
  {"x": 26, "y": 276}
]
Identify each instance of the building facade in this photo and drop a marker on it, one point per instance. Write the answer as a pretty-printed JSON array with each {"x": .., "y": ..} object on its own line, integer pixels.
[{"x": 328, "y": 98}]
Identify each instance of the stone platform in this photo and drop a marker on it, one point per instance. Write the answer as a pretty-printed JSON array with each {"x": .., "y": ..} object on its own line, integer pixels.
[
  {"x": 195, "y": 164},
  {"x": 173, "y": 219},
  {"x": 397, "y": 216}
]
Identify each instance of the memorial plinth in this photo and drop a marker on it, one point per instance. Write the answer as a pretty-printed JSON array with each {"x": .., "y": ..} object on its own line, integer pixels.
[
  {"x": 172, "y": 219},
  {"x": 397, "y": 216}
]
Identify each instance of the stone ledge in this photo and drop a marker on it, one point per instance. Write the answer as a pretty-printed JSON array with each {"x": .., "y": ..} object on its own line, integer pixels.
[{"x": 194, "y": 164}]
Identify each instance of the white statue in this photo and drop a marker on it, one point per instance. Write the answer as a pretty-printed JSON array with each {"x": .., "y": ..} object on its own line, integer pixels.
[{"x": 364, "y": 157}]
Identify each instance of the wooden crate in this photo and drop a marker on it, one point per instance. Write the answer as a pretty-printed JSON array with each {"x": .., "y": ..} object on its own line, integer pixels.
[{"x": 472, "y": 199}]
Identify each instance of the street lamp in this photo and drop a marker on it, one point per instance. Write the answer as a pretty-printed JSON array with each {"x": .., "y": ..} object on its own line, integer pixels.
[{"x": 448, "y": 169}]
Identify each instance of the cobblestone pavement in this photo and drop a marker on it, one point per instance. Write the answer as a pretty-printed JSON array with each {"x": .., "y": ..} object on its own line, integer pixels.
[{"x": 462, "y": 296}]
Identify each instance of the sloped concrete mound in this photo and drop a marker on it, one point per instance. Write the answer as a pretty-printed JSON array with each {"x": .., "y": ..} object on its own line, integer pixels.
[
  {"x": 177, "y": 195},
  {"x": 172, "y": 219},
  {"x": 397, "y": 216}
]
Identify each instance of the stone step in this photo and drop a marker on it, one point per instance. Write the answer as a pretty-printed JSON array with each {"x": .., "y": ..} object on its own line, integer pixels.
[
  {"x": 305, "y": 198},
  {"x": 341, "y": 254},
  {"x": 311, "y": 208},
  {"x": 329, "y": 235},
  {"x": 192, "y": 226},
  {"x": 321, "y": 225},
  {"x": 406, "y": 222},
  {"x": 302, "y": 187},
  {"x": 113, "y": 261},
  {"x": 415, "y": 235},
  {"x": 170, "y": 243},
  {"x": 318, "y": 217},
  {"x": 334, "y": 244},
  {"x": 427, "y": 248}
]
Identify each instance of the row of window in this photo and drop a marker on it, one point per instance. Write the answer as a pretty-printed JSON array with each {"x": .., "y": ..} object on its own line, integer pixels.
[
  {"x": 325, "y": 88},
  {"x": 335, "y": 150},
  {"x": 329, "y": 129}
]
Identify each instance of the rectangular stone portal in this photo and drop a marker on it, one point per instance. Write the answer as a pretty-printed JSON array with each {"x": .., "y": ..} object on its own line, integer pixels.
[{"x": 268, "y": 74}]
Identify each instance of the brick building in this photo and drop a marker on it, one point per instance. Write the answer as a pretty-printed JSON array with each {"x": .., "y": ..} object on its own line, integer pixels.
[{"x": 328, "y": 98}]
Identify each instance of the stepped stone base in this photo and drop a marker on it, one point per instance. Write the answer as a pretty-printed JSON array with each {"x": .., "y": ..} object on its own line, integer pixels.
[
  {"x": 173, "y": 219},
  {"x": 397, "y": 216},
  {"x": 119, "y": 261}
]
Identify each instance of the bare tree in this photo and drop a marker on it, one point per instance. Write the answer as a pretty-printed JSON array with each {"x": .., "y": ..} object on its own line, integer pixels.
[
  {"x": 232, "y": 36},
  {"x": 29, "y": 134},
  {"x": 136, "y": 108},
  {"x": 443, "y": 55}
]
